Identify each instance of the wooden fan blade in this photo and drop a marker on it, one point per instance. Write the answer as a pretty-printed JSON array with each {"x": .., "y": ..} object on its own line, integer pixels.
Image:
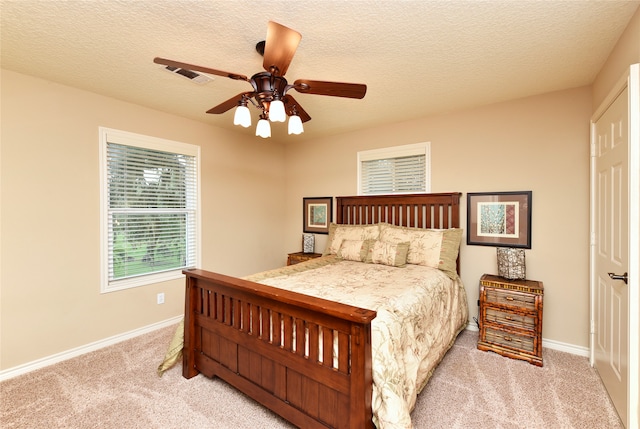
[
  {"x": 290, "y": 103},
  {"x": 281, "y": 45},
  {"x": 229, "y": 104},
  {"x": 334, "y": 89},
  {"x": 194, "y": 67}
]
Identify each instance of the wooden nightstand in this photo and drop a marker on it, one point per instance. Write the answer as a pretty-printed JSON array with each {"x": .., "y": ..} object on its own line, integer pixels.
[
  {"x": 511, "y": 318},
  {"x": 297, "y": 257}
]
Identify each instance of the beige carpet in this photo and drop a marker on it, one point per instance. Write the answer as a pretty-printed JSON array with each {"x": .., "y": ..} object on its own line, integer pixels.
[{"x": 117, "y": 387}]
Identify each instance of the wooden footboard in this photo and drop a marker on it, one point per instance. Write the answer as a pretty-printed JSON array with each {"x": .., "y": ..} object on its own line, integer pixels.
[{"x": 305, "y": 358}]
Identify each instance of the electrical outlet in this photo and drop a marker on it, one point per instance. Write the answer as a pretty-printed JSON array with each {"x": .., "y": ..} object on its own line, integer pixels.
[{"x": 160, "y": 298}]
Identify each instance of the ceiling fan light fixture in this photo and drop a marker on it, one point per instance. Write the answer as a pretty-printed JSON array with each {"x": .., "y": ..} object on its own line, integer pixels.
[
  {"x": 276, "y": 111},
  {"x": 264, "y": 128},
  {"x": 242, "y": 116},
  {"x": 295, "y": 125}
]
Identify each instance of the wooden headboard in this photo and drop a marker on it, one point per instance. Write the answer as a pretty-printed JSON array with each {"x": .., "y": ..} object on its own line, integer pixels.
[
  {"x": 429, "y": 211},
  {"x": 437, "y": 211}
]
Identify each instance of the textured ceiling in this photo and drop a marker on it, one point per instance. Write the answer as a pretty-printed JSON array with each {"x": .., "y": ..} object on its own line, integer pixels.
[{"x": 417, "y": 58}]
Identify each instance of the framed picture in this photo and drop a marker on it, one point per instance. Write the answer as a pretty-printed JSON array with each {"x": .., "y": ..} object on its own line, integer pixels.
[
  {"x": 501, "y": 219},
  {"x": 317, "y": 214}
]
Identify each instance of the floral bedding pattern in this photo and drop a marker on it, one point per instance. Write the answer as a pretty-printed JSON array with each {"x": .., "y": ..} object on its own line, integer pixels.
[{"x": 420, "y": 311}]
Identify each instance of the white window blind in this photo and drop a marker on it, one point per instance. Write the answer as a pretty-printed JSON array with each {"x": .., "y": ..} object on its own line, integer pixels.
[
  {"x": 396, "y": 170},
  {"x": 151, "y": 210}
]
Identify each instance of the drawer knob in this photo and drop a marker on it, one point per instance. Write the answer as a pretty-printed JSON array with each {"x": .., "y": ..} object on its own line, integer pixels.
[
  {"x": 509, "y": 298},
  {"x": 506, "y": 338},
  {"x": 509, "y": 318}
]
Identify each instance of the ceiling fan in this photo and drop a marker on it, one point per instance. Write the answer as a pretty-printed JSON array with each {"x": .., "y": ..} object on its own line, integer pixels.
[{"x": 270, "y": 89}]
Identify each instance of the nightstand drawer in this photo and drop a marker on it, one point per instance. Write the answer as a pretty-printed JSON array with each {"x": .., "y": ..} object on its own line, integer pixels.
[
  {"x": 510, "y": 340},
  {"x": 510, "y": 298},
  {"x": 510, "y": 319}
]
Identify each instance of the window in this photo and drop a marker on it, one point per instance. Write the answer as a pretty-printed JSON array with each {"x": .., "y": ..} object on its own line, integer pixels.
[
  {"x": 149, "y": 216},
  {"x": 395, "y": 170}
]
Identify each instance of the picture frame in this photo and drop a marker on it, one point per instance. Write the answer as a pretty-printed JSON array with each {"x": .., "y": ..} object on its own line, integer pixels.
[
  {"x": 317, "y": 214},
  {"x": 499, "y": 219}
]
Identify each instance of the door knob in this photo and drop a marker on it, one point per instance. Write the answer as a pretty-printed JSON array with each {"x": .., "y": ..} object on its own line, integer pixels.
[{"x": 624, "y": 277}]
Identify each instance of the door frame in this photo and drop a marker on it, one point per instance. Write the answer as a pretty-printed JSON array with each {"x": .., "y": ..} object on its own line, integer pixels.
[{"x": 631, "y": 80}]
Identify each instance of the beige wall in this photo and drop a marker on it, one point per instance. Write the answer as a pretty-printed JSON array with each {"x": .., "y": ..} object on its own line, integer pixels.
[
  {"x": 625, "y": 53},
  {"x": 50, "y": 222},
  {"x": 539, "y": 144}
]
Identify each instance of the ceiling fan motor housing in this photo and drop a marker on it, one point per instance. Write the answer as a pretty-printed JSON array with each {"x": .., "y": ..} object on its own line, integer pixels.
[{"x": 267, "y": 86}]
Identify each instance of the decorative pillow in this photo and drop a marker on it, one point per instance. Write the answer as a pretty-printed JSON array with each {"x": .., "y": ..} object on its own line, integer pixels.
[
  {"x": 393, "y": 254},
  {"x": 337, "y": 233},
  {"x": 354, "y": 250},
  {"x": 436, "y": 248}
]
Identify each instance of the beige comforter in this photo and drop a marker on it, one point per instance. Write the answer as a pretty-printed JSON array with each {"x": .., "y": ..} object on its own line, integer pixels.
[{"x": 420, "y": 311}]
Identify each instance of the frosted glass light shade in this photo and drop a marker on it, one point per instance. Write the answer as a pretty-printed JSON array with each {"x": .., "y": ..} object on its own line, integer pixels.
[
  {"x": 295, "y": 125},
  {"x": 263, "y": 129},
  {"x": 276, "y": 111},
  {"x": 242, "y": 116}
]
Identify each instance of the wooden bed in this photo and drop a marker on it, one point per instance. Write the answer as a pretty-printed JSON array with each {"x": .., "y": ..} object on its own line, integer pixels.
[{"x": 229, "y": 329}]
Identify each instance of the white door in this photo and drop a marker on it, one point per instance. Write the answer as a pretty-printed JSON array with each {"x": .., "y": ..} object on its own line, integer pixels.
[{"x": 614, "y": 250}]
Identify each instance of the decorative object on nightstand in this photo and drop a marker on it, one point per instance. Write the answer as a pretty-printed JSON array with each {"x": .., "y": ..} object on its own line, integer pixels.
[
  {"x": 511, "y": 318},
  {"x": 297, "y": 257},
  {"x": 511, "y": 263},
  {"x": 308, "y": 243}
]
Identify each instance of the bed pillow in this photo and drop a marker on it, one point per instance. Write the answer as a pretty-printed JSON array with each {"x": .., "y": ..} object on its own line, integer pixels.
[
  {"x": 392, "y": 254},
  {"x": 337, "y": 233},
  {"x": 436, "y": 248},
  {"x": 354, "y": 250}
]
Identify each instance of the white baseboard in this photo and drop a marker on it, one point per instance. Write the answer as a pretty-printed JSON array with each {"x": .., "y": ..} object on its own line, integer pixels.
[
  {"x": 567, "y": 348},
  {"x": 59, "y": 357},
  {"x": 549, "y": 344},
  {"x": 472, "y": 326}
]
